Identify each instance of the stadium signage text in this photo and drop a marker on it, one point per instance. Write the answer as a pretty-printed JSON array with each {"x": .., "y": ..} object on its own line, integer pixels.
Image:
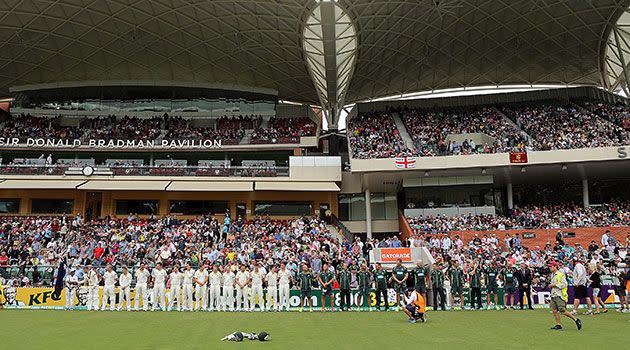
[
  {"x": 622, "y": 152},
  {"x": 100, "y": 143}
]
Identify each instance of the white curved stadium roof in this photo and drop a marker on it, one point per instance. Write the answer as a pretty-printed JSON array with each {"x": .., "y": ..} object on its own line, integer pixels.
[{"x": 402, "y": 46}]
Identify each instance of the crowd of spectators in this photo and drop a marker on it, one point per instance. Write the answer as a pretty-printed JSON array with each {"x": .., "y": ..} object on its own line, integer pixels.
[
  {"x": 430, "y": 132},
  {"x": 27, "y": 126},
  {"x": 530, "y": 217},
  {"x": 556, "y": 127},
  {"x": 617, "y": 114},
  {"x": 284, "y": 130},
  {"x": 375, "y": 135},
  {"x": 229, "y": 130}
]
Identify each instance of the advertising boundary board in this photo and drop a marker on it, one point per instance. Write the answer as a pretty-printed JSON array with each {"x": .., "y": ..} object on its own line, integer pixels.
[{"x": 43, "y": 298}]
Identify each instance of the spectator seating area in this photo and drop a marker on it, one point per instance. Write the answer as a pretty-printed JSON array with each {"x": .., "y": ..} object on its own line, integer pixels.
[
  {"x": 533, "y": 127},
  {"x": 230, "y": 130},
  {"x": 430, "y": 130}
]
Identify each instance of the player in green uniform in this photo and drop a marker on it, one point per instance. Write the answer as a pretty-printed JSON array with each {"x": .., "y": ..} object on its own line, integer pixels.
[
  {"x": 420, "y": 274},
  {"x": 492, "y": 273},
  {"x": 475, "y": 286},
  {"x": 326, "y": 279},
  {"x": 306, "y": 278},
  {"x": 399, "y": 277},
  {"x": 380, "y": 279},
  {"x": 344, "y": 278},
  {"x": 456, "y": 276},
  {"x": 509, "y": 286},
  {"x": 363, "y": 279},
  {"x": 437, "y": 284}
]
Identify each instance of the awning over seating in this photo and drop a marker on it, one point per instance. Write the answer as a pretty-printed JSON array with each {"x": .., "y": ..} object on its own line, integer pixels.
[
  {"x": 211, "y": 186},
  {"x": 297, "y": 186},
  {"x": 124, "y": 185},
  {"x": 39, "y": 184}
]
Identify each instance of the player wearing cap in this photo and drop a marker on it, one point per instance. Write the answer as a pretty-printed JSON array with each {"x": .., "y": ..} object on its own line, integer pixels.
[
  {"x": 109, "y": 290},
  {"x": 363, "y": 281},
  {"x": 242, "y": 281},
  {"x": 257, "y": 276},
  {"x": 72, "y": 283},
  {"x": 215, "y": 277},
  {"x": 201, "y": 288},
  {"x": 159, "y": 287},
  {"x": 125, "y": 288},
  {"x": 492, "y": 273},
  {"x": 187, "y": 288},
  {"x": 228, "y": 289},
  {"x": 508, "y": 275},
  {"x": 272, "y": 289},
  {"x": 380, "y": 281},
  {"x": 142, "y": 279},
  {"x": 175, "y": 295},
  {"x": 456, "y": 276},
  {"x": 559, "y": 297},
  {"x": 91, "y": 281}
]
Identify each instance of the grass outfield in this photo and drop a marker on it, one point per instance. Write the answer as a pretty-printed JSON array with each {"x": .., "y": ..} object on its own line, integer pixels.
[{"x": 56, "y": 329}]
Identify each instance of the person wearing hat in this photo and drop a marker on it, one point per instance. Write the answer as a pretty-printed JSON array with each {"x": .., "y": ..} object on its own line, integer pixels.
[
  {"x": 72, "y": 283},
  {"x": 559, "y": 296}
]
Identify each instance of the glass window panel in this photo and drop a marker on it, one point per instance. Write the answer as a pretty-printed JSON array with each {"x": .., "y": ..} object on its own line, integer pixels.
[
  {"x": 378, "y": 206},
  {"x": 9, "y": 206},
  {"x": 282, "y": 208},
  {"x": 52, "y": 206},
  {"x": 140, "y": 207},
  {"x": 198, "y": 207},
  {"x": 391, "y": 206}
]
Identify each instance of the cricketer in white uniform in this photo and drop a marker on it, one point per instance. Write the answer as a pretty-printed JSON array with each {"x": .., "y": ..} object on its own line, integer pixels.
[
  {"x": 142, "y": 277},
  {"x": 215, "y": 278},
  {"x": 187, "y": 288},
  {"x": 109, "y": 290},
  {"x": 159, "y": 287},
  {"x": 175, "y": 294},
  {"x": 91, "y": 278},
  {"x": 257, "y": 276},
  {"x": 284, "y": 278},
  {"x": 72, "y": 283},
  {"x": 228, "y": 289},
  {"x": 242, "y": 280},
  {"x": 125, "y": 288},
  {"x": 272, "y": 289},
  {"x": 201, "y": 288}
]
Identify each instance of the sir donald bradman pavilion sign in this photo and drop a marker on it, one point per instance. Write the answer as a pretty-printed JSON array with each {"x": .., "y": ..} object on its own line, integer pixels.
[{"x": 113, "y": 143}]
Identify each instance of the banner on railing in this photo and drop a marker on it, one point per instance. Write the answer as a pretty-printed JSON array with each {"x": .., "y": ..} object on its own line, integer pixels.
[{"x": 43, "y": 297}]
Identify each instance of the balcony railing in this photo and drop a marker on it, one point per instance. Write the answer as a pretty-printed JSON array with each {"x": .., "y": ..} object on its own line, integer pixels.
[{"x": 235, "y": 171}]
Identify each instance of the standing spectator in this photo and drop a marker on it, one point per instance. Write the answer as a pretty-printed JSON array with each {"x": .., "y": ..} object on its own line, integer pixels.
[
  {"x": 524, "y": 278},
  {"x": 580, "y": 279}
]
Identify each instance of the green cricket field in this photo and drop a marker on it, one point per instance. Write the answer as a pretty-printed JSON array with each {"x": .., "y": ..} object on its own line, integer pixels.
[{"x": 57, "y": 329}]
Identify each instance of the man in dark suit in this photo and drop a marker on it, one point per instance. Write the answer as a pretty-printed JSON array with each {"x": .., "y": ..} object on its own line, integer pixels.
[{"x": 524, "y": 278}]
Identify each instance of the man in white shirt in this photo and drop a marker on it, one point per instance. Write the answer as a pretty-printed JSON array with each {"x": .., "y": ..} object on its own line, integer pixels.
[
  {"x": 228, "y": 289},
  {"x": 272, "y": 289},
  {"x": 176, "y": 288},
  {"x": 187, "y": 288},
  {"x": 284, "y": 278},
  {"x": 257, "y": 276},
  {"x": 242, "y": 281},
  {"x": 125, "y": 289},
  {"x": 201, "y": 288},
  {"x": 142, "y": 278},
  {"x": 72, "y": 283},
  {"x": 109, "y": 290},
  {"x": 580, "y": 281},
  {"x": 215, "y": 278},
  {"x": 91, "y": 278},
  {"x": 159, "y": 287}
]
